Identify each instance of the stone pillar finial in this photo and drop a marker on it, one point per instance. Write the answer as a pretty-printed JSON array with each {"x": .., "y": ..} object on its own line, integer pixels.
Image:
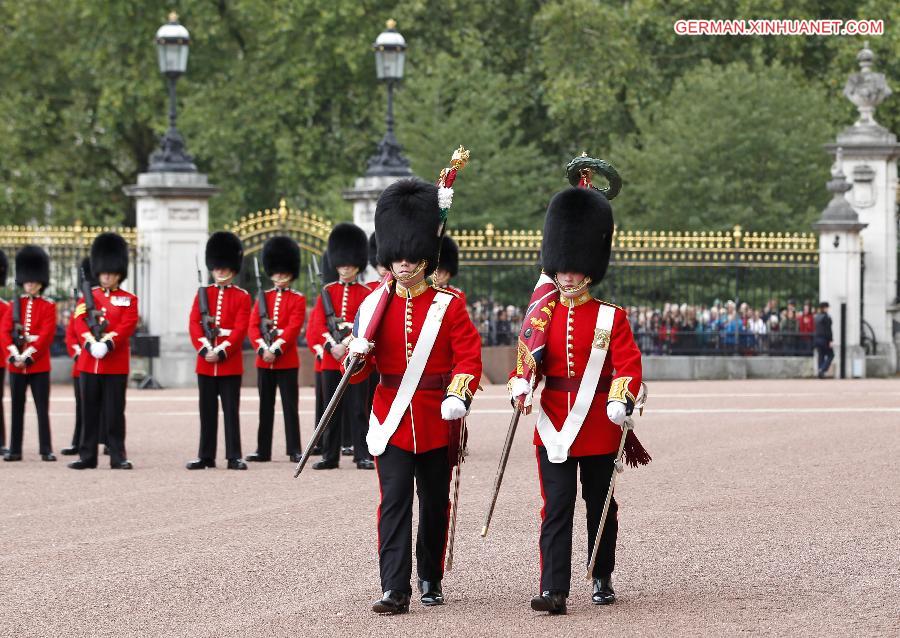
[{"x": 866, "y": 89}]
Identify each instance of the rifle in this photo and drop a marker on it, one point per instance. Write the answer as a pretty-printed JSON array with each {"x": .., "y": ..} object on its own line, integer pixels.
[
  {"x": 338, "y": 328},
  {"x": 18, "y": 330},
  {"x": 93, "y": 317},
  {"x": 265, "y": 324},
  {"x": 210, "y": 330}
]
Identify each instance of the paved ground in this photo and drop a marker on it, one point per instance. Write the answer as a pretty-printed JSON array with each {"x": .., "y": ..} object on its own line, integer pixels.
[{"x": 771, "y": 508}]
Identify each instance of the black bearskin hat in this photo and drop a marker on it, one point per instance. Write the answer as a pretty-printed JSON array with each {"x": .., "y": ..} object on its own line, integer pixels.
[
  {"x": 32, "y": 264},
  {"x": 578, "y": 233},
  {"x": 449, "y": 259},
  {"x": 224, "y": 250},
  {"x": 84, "y": 270},
  {"x": 407, "y": 218},
  {"x": 329, "y": 272},
  {"x": 109, "y": 253},
  {"x": 281, "y": 254},
  {"x": 348, "y": 246},
  {"x": 373, "y": 251},
  {"x": 4, "y": 268}
]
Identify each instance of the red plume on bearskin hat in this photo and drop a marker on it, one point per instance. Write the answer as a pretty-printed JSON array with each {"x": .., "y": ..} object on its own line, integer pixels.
[
  {"x": 109, "y": 253},
  {"x": 281, "y": 254},
  {"x": 224, "y": 250},
  {"x": 348, "y": 246},
  {"x": 32, "y": 264}
]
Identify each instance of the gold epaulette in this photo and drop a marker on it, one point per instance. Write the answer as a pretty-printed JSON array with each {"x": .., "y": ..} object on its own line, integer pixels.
[
  {"x": 80, "y": 309},
  {"x": 606, "y": 303},
  {"x": 447, "y": 290}
]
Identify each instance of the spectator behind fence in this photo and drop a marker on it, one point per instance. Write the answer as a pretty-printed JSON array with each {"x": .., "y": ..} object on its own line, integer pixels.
[{"x": 824, "y": 339}]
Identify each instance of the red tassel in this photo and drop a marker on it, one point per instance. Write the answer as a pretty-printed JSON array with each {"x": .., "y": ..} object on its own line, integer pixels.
[
  {"x": 635, "y": 454},
  {"x": 450, "y": 178}
]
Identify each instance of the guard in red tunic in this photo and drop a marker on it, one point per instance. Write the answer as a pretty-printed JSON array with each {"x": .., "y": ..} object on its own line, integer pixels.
[
  {"x": 217, "y": 333},
  {"x": 448, "y": 268},
  {"x": 27, "y": 335},
  {"x": 73, "y": 349},
  {"x": 4, "y": 308},
  {"x": 589, "y": 347},
  {"x": 329, "y": 274},
  {"x": 277, "y": 362},
  {"x": 104, "y": 325},
  {"x": 429, "y": 356},
  {"x": 348, "y": 252}
]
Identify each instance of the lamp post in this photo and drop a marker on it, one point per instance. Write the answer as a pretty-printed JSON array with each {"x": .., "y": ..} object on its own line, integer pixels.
[
  {"x": 172, "y": 44},
  {"x": 390, "y": 54}
]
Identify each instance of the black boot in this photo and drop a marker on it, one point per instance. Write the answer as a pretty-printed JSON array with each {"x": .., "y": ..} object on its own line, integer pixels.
[
  {"x": 431, "y": 592},
  {"x": 9, "y": 456},
  {"x": 72, "y": 450},
  {"x": 48, "y": 457},
  {"x": 347, "y": 451},
  {"x": 295, "y": 457},
  {"x": 122, "y": 465},
  {"x": 82, "y": 465},
  {"x": 365, "y": 464},
  {"x": 392, "y": 602},
  {"x": 554, "y": 603},
  {"x": 199, "y": 464},
  {"x": 603, "y": 591},
  {"x": 325, "y": 465},
  {"x": 256, "y": 457},
  {"x": 236, "y": 464}
]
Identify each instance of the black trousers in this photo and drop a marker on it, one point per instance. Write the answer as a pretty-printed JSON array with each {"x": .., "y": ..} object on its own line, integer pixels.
[
  {"x": 826, "y": 355},
  {"x": 228, "y": 389},
  {"x": 76, "y": 435},
  {"x": 351, "y": 410},
  {"x": 40, "y": 392},
  {"x": 2, "y": 413},
  {"x": 558, "y": 488},
  {"x": 102, "y": 407},
  {"x": 396, "y": 470},
  {"x": 286, "y": 382}
]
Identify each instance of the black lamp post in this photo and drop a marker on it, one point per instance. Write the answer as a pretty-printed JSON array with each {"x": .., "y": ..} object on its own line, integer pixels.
[
  {"x": 390, "y": 53},
  {"x": 172, "y": 44}
]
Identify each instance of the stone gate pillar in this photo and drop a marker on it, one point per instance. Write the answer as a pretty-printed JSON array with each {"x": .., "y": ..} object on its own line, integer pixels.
[
  {"x": 870, "y": 154},
  {"x": 840, "y": 269},
  {"x": 173, "y": 226}
]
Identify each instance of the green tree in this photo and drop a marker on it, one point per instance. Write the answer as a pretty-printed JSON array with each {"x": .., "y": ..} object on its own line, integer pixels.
[{"x": 735, "y": 144}]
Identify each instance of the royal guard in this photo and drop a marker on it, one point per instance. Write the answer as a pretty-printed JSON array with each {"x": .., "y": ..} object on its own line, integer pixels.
[
  {"x": 27, "y": 334},
  {"x": 4, "y": 308},
  {"x": 218, "y": 325},
  {"x": 591, "y": 369},
  {"x": 428, "y": 353},
  {"x": 274, "y": 328},
  {"x": 328, "y": 275},
  {"x": 329, "y": 333},
  {"x": 104, "y": 322},
  {"x": 448, "y": 267},
  {"x": 73, "y": 349}
]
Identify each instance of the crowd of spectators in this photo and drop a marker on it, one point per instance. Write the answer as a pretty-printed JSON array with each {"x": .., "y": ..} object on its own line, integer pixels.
[{"x": 722, "y": 327}]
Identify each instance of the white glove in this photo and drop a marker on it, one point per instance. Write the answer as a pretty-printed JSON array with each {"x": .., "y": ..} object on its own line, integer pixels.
[
  {"x": 360, "y": 347},
  {"x": 519, "y": 387},
  {"x": 99, "y": 349},
  {"x": 453, "y": 408},
  {"x": 615, "y": 410}
]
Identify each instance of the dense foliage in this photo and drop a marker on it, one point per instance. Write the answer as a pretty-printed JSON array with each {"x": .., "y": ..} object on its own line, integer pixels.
[{"x": 281, "y": 99}]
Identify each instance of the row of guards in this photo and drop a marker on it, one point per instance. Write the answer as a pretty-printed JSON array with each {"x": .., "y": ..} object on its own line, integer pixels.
[{"x": 411, "y": 355}]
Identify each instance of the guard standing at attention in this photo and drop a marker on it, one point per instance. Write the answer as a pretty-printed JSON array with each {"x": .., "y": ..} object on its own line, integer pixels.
[
  {"x": 104, "y": 322},
  {"x": 27, "y": 335},
  {"x": 275, "y": 339},
  {"x": 218, "y": 325},
  {"x": 329, "y": 329}
]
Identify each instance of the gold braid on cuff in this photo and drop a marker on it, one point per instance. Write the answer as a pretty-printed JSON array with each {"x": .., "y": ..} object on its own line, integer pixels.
[
  {"x": 618, "y": 391},
  {"x": 459, "y": 387}
]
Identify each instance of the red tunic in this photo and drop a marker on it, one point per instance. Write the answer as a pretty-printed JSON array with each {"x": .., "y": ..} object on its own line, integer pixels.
[
  {"x": 287, "y": 309},
  {"x": 120, "y": 310},
  {"x": 73, "y": 347},
  {"x": 39, "y": 321},
  {"x": 346, "y": 299},
  {"x": 456, "y": 354},
  {"x": 229, "y": 306},
  {"x": 598, "y": 435}
]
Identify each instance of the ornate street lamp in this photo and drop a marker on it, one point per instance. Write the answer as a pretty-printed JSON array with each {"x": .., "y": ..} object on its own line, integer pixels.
[
  {"x": 390, "y": 54},
  {"x": 172, "y": 44}
]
